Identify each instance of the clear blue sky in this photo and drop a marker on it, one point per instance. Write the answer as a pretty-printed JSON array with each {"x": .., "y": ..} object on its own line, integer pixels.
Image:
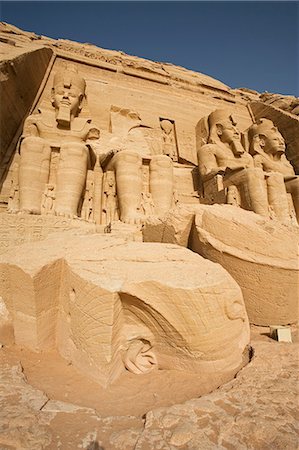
[{"x": 243, "y": 44}]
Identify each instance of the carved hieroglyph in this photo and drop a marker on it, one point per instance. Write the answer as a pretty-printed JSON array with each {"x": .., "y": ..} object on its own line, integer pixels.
[
  {"x": 59, "y": 135},
  {"x": 126, "y": 305}
]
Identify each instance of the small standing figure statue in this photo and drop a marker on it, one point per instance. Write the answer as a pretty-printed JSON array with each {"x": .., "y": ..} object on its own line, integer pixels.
[
  {"x": 109, "y": 201},
  {"x": 48, "y": 199},
  {"x": 176, "y": 198},
  {"x": 147, "y": 204},
  {"x": 169, "y": 142},
  {"x": 87, "y": 207},
  {"x": 13, "y": 201}
]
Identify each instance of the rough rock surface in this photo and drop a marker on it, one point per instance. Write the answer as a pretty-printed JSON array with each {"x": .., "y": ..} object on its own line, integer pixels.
[
  {"x": 249, "y": 247},
  {"x": 261, "y": 255},
  {"x": 94, "y": 297},
  {"x": 174, "y": 228},
  {"x": 256, "y": 411}
]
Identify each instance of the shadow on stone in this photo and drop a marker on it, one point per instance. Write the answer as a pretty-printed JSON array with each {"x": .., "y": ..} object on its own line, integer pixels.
[{"x": 94, "y": 445}]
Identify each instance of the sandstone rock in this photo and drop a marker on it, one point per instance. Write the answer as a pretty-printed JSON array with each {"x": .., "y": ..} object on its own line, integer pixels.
[
  {"x": 259, "y": 254},
  {"x": 103, "y": 146},
  {"x": 249, "y": 412},
  {"x": 21, "y": 73},
  {"x": 173, "y": 229},
  {"x": 107, "y": 303}
]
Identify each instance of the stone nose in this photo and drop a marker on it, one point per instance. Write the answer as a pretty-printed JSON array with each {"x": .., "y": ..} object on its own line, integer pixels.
[{"x": 281, "y": 139}]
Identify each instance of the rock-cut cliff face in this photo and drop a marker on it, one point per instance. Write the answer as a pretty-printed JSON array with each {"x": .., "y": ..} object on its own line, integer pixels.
[{"x": 155, "y": 90}]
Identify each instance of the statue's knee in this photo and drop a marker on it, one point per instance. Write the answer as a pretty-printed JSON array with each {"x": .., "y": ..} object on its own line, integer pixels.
[
  {"x": 32, "y": 144},
  {"x": 275, "y": 179},
  {"x": 74, "y": 149},
  {"x": 254, "y": 173},
  {"x": 161, "y": 161},
  {"x": 127, "y": 157}
]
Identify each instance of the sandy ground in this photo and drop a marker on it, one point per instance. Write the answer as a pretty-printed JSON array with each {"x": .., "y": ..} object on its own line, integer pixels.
[{"x": 47, "y": 404}]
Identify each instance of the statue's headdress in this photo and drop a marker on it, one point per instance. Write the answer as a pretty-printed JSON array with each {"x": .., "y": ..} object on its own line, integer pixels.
[
  {"x": 216, "y": 117},
  {"x": 69, "y": 76},
  {"x": 261, "y": 127}
]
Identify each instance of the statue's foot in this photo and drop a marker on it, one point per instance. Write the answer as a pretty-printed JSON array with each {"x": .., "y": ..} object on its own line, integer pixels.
[
  {"x": 133, "y": 219},
  {"x": 30, "y": 211}
]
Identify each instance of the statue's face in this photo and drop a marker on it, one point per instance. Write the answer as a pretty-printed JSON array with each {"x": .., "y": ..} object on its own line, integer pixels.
[
  {"x": 273, "y": 142},
  {"x": 228, "y": 132},
  {"x": 70, "y": 97}
]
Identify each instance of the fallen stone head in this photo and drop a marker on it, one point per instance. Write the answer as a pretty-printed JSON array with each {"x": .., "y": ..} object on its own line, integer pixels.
[{"x": 109, "y": 305}]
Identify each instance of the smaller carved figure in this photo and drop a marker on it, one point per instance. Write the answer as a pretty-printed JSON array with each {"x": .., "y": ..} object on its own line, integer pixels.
[
  {"x": 109, "y": 200},
  {"x": 175, "y": 198},
  {"x": 13, "y": 201},
  {"x": 147, "y": 204},
  {"x": 48, "y": 199},
  {"x": 108, "y": 228},
  {"x": 87, "y": 207},
  {"x": 169, "y": 141}
]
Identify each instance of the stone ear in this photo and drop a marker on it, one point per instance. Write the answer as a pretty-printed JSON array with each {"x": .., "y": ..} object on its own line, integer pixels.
[
  {"x": 139, "y": 357},
  {"x": 52, "y": 96},
  {"x": 255, "y": 146},
  {"x": 261, "y": 140},
  {"x": 81, "y": 97},
  {"x": 219, "y": 129}
]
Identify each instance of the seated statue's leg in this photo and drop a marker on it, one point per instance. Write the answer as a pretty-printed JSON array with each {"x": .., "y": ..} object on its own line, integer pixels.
[
  {"x": 254, "y": 189},
  {"x": 71, "y": 178},
  {"x": 257, "y": 191},
  {"x": 292, "y": 187},
  {"x": 161, "y": 183},
  {"x": 127, "y": 166},
  {"x": 277, "y": 195},
  {"x": 33, "y": 173}
]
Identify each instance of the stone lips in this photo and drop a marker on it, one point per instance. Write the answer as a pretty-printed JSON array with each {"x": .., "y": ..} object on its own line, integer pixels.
[{"x": 93, "y": 296}]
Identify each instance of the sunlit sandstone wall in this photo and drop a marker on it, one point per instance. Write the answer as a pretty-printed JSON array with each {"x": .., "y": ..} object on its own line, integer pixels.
[
  {"x": 152, "y": 98},
  {"x": 21, "y": 74},
  {"x": 154, "y": 90}
]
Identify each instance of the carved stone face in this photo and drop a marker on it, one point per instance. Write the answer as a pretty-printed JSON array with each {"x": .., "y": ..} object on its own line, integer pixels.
[
  {"x": 272, "y": 142},
  {"x": 227, "y": 132},
  {"x": 166, "y": 126},
  {"x": 67, "y": 96}
]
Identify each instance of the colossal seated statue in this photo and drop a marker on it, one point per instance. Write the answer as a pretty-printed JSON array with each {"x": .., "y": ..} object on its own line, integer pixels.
[
  {"x": 130, "y": 152},
  {"x": 63, "y": 133},
  {"x": 224, "y": 155},
  {"x": 267, "y": 146}
]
